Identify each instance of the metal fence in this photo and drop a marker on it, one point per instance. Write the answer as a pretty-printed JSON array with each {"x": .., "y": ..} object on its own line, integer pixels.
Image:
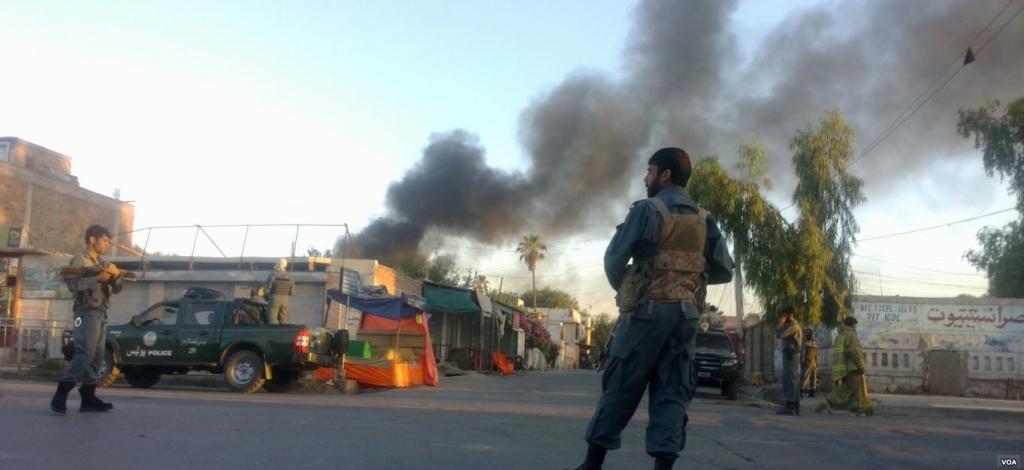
[{"x": 27, "y": 341}]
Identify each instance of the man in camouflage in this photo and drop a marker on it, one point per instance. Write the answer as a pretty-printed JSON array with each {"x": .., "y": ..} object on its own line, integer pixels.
[
  {"x": 849, "y": 389},
  {"x": 676, "y": 249},
  {"x": 809, "y": 365},
  {"x": 279, "y": 287},
  {"x": 92, "y": 288}
]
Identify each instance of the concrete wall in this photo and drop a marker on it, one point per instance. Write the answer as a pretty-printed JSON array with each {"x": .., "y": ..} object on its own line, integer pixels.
[{"x": 900, "y": 333}]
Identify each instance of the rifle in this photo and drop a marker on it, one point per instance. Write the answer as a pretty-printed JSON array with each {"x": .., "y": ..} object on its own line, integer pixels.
[{"x": 93, "y": 271}]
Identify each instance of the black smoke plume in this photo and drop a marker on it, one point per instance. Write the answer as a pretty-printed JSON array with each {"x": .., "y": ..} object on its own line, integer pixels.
[{"x": 691, "y": 85}]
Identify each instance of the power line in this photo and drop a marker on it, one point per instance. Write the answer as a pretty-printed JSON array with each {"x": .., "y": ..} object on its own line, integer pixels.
[
  {"x": 914, "y": 281},
  {"x": 947, "y": 224},
  {"x": 918, "y": 267},
  {"x": 904, "y": 116}
]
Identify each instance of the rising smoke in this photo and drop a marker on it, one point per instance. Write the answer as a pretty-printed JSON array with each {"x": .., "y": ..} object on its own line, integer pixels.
[{"x": 691, "y": 85}]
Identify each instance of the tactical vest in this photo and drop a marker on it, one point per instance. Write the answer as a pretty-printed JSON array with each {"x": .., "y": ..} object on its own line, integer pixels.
[
  {"x": 281, "y": 285},
  {"x": 679, "y": 265},
  {"x": 676, "y": 271}
]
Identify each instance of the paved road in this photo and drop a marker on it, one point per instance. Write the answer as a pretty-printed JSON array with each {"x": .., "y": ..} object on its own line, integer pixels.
[{"x": 529, "y": 422}]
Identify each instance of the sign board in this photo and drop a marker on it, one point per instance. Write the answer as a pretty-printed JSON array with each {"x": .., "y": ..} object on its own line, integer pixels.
[
  {"x": 910, "y": 324},
  {"x": 11, "y": 236}
]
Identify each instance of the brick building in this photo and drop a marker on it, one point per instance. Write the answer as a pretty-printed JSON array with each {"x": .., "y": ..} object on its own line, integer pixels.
[{"x": 43, "y": 210}]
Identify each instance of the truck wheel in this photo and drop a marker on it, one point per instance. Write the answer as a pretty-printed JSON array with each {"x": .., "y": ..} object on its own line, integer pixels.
[
  {"x": 729, "y": 389},
  {"x": 283, "y": 381},
  {"x": 243, "y": 371},
  {"x": 142, "y": 378},
  {"x": 111, "y": 369}
]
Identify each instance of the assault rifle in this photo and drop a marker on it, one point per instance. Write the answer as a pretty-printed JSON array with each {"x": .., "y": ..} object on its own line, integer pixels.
[{"x": 93, "y": 271}]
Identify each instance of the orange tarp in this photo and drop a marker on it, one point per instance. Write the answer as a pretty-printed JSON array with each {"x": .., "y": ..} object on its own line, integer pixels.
[
  {"x": 503, "y": 363},
  {"x": 384, "y": 373}
]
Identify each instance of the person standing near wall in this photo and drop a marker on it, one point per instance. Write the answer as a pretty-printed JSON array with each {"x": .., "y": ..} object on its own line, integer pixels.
[{"x": 790, "y": 335}]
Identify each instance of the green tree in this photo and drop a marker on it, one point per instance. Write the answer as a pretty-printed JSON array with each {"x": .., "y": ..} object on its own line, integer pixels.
[
  {"x": 507, "y": 298},
  {"x": 549, "y": 297},
  {"x": 480, "y": 283},
  {"x": 602, "y": 325},
  {"x": 311, "y": 251},
  {"x": 805, "y": 264},
  {"x": 1001, "y": 139},
  {"x": 826, "y": 195},
  {"x": 531, "y": 250}
]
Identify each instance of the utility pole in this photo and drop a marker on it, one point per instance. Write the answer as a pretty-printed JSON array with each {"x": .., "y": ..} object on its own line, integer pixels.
[{"x": 738, "y": 281}]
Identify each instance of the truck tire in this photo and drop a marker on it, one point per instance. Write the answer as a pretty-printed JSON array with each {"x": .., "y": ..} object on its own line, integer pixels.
[
  {"x": 283, "y": 381},
  {"x": 111, "y": 369},
  {"x": 243, "y": 371},
  {"x": 729, "y": 390},
  {"x": 142, "y": 378}
]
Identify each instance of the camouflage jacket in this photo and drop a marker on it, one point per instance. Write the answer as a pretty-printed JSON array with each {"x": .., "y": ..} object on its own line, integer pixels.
[
  {"x": 88, "y": 291},
  {"x": 637, "y": 238}
]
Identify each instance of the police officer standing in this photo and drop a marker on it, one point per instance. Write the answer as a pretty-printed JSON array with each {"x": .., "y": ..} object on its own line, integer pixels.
[
  {"x": 92, "y": 286},
  {"x": 677, "y": 249},
  {"x": 279, "y": 287},
  {"x": 790, "y": 335}
]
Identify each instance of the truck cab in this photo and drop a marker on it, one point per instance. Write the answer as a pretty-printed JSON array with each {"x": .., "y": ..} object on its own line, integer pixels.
[{"x": 717, "y": 363}]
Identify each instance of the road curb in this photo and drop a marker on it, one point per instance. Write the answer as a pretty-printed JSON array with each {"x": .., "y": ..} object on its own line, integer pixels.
[{"x": 929, "y": 411}]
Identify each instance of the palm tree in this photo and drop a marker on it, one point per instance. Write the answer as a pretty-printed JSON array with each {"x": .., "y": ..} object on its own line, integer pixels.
[{"x": 531, "y": 250}]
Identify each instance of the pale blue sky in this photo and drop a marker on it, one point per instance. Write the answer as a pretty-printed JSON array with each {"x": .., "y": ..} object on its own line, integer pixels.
[{"x": 284, "y": 112}]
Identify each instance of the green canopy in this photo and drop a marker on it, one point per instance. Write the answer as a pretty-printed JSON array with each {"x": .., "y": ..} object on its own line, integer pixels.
[{"x": 440, "y": 299}]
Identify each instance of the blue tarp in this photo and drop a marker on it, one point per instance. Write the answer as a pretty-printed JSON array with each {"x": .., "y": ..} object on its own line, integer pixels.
[{"x": 395, "y": 308}]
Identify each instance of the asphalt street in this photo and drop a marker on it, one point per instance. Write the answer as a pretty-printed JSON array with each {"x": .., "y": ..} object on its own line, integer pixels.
[{"x": 532, "y": 422}]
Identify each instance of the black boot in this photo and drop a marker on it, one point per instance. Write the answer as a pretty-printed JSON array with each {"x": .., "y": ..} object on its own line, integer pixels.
[
  {"x": 595, "y": 458},
  {"x": 59, "y": 403},
  {"x": 788, "y": 409},
  {"x": 664, "y": 464},
  {"x": 89, "y": 400},
  {"x": 796, "y": 407}
]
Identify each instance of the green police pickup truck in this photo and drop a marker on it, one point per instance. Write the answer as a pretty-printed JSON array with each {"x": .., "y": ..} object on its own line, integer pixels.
[{"x": 212, "y": 334}]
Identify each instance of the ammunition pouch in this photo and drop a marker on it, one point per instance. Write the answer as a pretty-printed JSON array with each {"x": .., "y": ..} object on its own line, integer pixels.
[{"x": 634, "y": 286}]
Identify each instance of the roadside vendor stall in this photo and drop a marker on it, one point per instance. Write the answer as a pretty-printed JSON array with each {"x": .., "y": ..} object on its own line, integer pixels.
[{"x": 394, "y": 348}]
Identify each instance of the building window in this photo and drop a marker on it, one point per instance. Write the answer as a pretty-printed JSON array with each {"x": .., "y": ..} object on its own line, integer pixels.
[
  {"x": 974, "y": 363},
  {"x": 1010, "y": 364},
  {"x": 874, "y": 359},
  {"x": 906, "y": 360},
  {"x": 988, "y": 362},
  {"x": 895, "y": 360},
  {"x": 999, "y": 364},
  {"x": 885, "y": 359}
]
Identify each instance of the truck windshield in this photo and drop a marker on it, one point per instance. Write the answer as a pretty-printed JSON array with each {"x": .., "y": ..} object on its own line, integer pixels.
[{"x": 719, "y": 342}]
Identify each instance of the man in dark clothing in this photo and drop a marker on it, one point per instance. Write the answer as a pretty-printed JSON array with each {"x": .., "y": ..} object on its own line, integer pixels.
[
  {"x": 791, "y": 337},
  {"x": 279, "y": 287},
  {"x": 94, "y": 282},
  {"x": 677, "y": 250}
]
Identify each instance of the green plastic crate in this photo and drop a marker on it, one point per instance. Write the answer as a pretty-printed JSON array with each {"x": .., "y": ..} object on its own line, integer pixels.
[{"x": 359, "y": 349}]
